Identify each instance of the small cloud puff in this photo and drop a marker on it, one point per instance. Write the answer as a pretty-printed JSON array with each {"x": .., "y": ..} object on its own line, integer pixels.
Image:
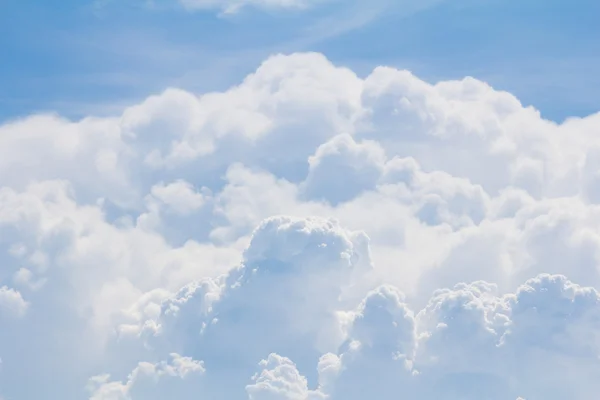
[
  {"x": 12, "y": 302},
  {"x": 179, "y": 197},
  {"x": 279, "y": 380}
]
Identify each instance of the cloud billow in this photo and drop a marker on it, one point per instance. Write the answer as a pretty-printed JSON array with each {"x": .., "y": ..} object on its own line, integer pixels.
[{"x": 306, "y": 234}]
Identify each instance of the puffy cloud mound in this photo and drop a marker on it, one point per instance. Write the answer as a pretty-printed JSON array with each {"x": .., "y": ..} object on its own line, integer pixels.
[
  {"x": 285, "y": 297},
  {"x": 306, "y": 234},
  {"x": 469, "y": 342},
  {"x": 152, "y": 381},
  {"x": 360, "y": 165},
  {"x": 279, "y": 379},
  {"x": 11, "y": 302}
]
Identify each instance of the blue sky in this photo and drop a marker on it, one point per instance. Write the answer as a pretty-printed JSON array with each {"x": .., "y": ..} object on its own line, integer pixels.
[{"x": 81, "y": 57}]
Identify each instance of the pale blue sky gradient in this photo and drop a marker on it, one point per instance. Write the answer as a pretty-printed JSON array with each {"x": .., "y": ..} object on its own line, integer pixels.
[{"x": 80, "y": 58}]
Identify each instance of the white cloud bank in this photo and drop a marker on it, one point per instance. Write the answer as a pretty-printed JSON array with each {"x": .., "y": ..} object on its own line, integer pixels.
[{"x": 307, "y": 234}]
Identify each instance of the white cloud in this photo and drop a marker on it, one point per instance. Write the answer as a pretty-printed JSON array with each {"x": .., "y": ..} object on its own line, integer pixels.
[
  {"x": 362, "y": 236},
  {"x": 463, "y": 333},
  {"x": 152, "y": 381},
  {"x": 24, "y": 277},
  {"x": 12, "y": 302},
  {"x": 467, "y": 343},
  {"x": 341, "y": 169},
  {"x": 279, "y": 380},
  {"x": 179, "y": 197}
]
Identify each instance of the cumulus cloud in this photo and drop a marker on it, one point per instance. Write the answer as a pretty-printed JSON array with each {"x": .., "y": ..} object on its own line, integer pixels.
[
  {"x": 279, "y": 379},
  {"x": 362, "y": 236},
  {"x": 12, "y": 302},
  {"x": 284, "y": 297},
  {"x": 179, "y": 197},
  {"x": 180, "y": 376},
  {"x": 466, "y": 343},
  {"x": 341, "y": 169}
]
